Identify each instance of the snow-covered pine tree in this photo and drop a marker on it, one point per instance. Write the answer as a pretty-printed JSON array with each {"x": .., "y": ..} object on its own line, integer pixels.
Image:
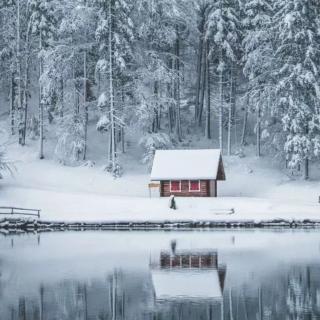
[
  {"x": 258, "y": 59},
  {"x": 42, "y": 21},
  {"x": 152, "y": 142},
  {"x": 224, "y": 33},
  {"x": 76, "y": 66},
  {"x": 202, "y": 9},
  {"x": 155, "y": 91},
  {"x": 114, "y": 34},
  {"x": 298, "y": 87},
  {"x": 71, "y": 140},
  {"x": 8, "y": 54}
]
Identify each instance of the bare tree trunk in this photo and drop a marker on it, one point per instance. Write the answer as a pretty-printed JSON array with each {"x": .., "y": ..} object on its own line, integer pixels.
[
  {"x": 177, "y": 95},
  {"x": 208, "y": 118},
  {"x": 221, "y": 106},
  {"x": 86, "y": 115},
  {"x": 19, "y": 71},
  {"x": 26, "y": 90},
  {"x": 61, "y": 111},
  {"x": 159, "y": 106},
  {"x": 306, "y": 161},
  {"x": 231, "y": 107},
  {"x": 155, "y": 125},
  {"x": 306, "y": 169},
  {"x": 112, "y": 120},
  {"x": 245, "y": 123},
  {"x": 25, "y": 107},
  {"x": 123, "y": 140},
  {"x": 12, "y": 108},
  {"x": 169, "y": 92},
  {"x": 258, "y": 129},
  {"x": 199, "y": 73},
  {"x": 203, "y": 83},
  {"x": 41, "y": 116}
]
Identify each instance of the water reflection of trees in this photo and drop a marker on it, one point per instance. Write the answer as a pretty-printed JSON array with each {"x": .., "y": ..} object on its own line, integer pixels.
[{"x": 292, "y": 293}]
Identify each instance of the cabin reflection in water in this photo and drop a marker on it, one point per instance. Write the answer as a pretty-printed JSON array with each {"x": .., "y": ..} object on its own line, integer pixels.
[
  {"x": 188, "y": 275},
  {"x": 189, "y": 284}
]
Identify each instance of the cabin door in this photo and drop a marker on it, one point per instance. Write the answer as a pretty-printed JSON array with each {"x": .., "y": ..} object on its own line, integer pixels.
[{"x": 213, "y": 188}]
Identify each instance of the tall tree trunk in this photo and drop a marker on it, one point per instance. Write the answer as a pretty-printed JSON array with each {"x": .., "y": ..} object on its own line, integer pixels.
[
  {"x": 258, "y": 130},
  {"x": 12, "y": 108},
  {"x": 86, "y": 115},
  {"x": 245, "y": 123},
  {"x": 155, "y": 125},
  {"x": 19, "y": 71},
  {"x": 177, "y": 84},
  {"x": 25, "y": 89},
  {"x": 171, "y": 97},
  {"x": 203, "y": 83},
  {"x": 199, "y": 74},
  {"x": 306, "y": 169},
  {"x": 231, "y": 107},
  {"x": 208, "y": 118},
  {"x": 61, "y": 98},
  {"x": 221, "y": 105},
  {"x": 306, "y": 161},
  {"x": 111, "y": 92},
  {"x": 41, "y": 107}
]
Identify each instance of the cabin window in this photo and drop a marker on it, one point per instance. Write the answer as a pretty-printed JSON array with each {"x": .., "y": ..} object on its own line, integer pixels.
[
  {"x": 194, "y": 185},
  {"x": 175, "y": 186}
]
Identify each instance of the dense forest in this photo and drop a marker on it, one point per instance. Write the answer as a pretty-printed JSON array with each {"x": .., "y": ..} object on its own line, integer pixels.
[{"x": 231, "y": 71}]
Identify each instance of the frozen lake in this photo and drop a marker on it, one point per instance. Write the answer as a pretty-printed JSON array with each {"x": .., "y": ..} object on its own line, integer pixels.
[{"x": 236, "y": 274}]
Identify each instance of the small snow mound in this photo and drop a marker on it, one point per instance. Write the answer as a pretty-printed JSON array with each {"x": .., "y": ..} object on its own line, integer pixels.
[{"x": 89, "y": 164}]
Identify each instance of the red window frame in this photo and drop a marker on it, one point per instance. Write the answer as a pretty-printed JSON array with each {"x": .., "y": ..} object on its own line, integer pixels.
[
  {"x": 192, "y": 188},
  {"x": 178, "y": 186}
]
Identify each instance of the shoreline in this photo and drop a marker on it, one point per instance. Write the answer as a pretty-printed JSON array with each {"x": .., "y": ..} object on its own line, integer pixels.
[{"x": 19, "y": 225}]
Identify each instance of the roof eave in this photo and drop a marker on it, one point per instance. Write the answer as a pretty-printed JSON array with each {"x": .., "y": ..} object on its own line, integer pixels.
[{"x": 182, "y": 178}]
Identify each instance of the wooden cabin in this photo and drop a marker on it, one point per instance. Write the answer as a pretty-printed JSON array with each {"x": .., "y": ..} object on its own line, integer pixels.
[{"x": 188, "y": 173}]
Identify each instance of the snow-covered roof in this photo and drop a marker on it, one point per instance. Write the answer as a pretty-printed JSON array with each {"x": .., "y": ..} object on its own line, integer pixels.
[
  {"x": 186, "y": 284},
  {"x": 186, "y": 164}
]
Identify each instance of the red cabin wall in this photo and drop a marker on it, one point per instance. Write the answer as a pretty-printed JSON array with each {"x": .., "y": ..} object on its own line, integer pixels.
[{"x": 204, "y": 189}]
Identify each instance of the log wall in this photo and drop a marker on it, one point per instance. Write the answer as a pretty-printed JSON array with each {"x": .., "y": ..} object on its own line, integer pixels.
[{"x": 204, "y": 189}]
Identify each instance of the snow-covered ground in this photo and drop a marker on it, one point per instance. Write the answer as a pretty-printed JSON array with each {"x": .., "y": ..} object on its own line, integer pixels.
[{"x": 254, "y": 188}]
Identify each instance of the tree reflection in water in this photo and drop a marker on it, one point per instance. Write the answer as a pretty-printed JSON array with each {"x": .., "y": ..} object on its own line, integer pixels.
[{"x": 178, "y": 284}]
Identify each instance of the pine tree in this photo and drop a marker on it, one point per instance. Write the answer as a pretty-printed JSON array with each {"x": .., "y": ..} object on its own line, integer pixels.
[
  {"x": 42, "y": 22},
  {"x": 224, "y": 32},
  {"x": 8, "y": 54},
  {"x": 258, "y": 59},
  {"x": 115, "y": 35},
  {"x": 298, "y": 89}
]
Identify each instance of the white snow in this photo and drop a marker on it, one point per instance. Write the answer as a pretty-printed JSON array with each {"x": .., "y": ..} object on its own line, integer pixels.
[
  {"x": 185, "y": 164},
  {"x": 255, "y": 190}
]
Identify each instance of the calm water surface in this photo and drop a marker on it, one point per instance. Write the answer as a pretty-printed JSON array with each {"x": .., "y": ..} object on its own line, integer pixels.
[{"x": 232, "y": 275}]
